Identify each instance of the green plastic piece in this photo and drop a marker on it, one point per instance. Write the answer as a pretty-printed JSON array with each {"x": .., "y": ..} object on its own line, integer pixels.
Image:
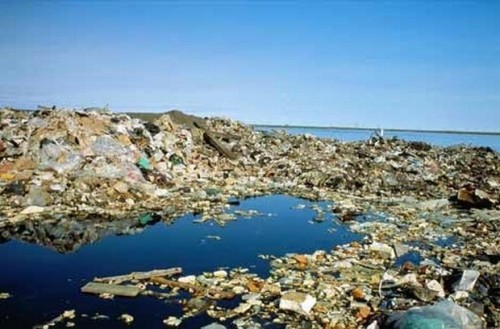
[
  {"x": 144, "y": 163},
  {"x": 145, "y": 219}
]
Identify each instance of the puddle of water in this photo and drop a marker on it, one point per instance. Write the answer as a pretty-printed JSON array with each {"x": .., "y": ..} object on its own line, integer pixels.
[
  {"x": 372, "y": 217},
  {"x": 447, "y": 242},
  {"x": 44, "y": 282},
  {"x": 443, "y": 242},
  {"x": 413, "y": 257}
]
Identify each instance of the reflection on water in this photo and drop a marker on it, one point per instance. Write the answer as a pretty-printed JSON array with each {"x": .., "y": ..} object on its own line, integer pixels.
[
  {"x": 44, "y": 282},
  {"x": 68, "y": 234}
]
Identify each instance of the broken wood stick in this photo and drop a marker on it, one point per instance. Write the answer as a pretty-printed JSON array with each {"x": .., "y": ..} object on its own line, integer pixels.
[
  {"x": 176, "y": 284},
  {"x": 140, "y": 275}
]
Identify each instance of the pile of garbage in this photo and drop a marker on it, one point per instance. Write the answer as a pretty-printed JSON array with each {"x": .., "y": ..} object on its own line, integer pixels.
[
  {"x": 429, "y": 215},
  {"x": 352, "y": 286},
  {"x": 94, "y": 161}
]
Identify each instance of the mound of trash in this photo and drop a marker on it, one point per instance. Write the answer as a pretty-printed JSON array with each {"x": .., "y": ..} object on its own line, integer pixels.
[
  {"x": 69, "y": 177},
  {"x": 72, "y": 161}
]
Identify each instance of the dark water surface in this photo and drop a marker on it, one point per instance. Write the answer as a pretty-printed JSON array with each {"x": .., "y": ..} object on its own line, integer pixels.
[
  {"x": 434, "y": 138},
  {"x": 44, "y": 283}
]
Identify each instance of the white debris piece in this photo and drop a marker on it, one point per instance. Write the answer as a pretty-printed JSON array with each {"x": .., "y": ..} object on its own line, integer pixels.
[
  {"x": 467, "y": 281},
  {"x": 384, "y": 250},
  {"x": 191, "y": 279},
  {"x": 172, "y": 321},
  {"x": 32, "y": 210},
  {"x": 214, "y": 326},
  {"x": 297, "y": 302},
  {"x": 127, "y": 318},
  {"x": 220, "y": 274},
  {"x": 437, "y": 287}
]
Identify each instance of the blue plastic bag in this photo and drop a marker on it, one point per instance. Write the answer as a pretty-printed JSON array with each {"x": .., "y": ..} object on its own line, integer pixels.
[{"x": 441, "y": 315}]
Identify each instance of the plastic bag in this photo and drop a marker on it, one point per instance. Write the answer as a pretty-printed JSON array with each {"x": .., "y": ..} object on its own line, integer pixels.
[
  {"x": 441, "y": 315},
  {"x": 58, "y": 158},
  {"x": 107, "y": 146}
]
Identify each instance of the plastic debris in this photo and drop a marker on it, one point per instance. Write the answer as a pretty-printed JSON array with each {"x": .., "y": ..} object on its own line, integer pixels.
[
  {"x": 445, "y": 314},
  {"x": 145, "y": 219},
  {"x": 144, "y": 164},
  {"x": 467, "y": 280}
]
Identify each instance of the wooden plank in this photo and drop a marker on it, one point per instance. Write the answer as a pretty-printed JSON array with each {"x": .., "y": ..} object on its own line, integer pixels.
[
  {"x": 212, "y": 141},
  {"x": 113, "y": 289},
  {"x": 140, "y": 275}
]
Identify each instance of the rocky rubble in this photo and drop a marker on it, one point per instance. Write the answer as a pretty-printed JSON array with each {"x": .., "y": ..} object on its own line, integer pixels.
[{"x": 429, "y": 215}]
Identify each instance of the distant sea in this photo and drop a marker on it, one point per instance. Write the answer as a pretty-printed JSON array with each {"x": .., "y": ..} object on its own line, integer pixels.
[{"x": 436, "y": 138}]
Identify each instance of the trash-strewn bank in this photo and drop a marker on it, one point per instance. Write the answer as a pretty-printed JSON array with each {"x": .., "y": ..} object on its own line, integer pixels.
[
  {"x": 72, "y": 162},
  {"x": 108, "y": 167}
]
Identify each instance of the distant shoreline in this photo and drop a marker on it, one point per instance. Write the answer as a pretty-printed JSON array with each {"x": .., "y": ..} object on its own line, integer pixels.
[
  {"x": 150, "y": 116},
  {"x": 153, "y": 115},
  {"x": 458, "y": 132}
]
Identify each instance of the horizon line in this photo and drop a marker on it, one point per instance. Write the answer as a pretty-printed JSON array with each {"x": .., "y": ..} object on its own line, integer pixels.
[
  {"x": 474, "y": 132},
  {"x": 444, "y": 131}
]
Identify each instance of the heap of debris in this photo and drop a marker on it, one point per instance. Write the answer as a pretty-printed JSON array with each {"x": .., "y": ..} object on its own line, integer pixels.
[
  {"x": 92, "y": 172},
  {"x": 81, "y": 162}
]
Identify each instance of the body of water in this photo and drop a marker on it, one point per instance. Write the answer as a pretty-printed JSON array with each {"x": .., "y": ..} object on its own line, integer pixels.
[
  {"x": 434, "y": 138},
  {"x": 44, "y": 283}
]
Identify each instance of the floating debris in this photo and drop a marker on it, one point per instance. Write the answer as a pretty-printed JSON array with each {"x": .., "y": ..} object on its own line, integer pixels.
[
  {"x": 214, "y": 237},
  {"x": 126, "y": 318},
  {"x": 63, "y": 317},
  {"x": 172, "y": 321},
  {"x": 346, "y": 287},
  {"x": 5, "y": 295}
]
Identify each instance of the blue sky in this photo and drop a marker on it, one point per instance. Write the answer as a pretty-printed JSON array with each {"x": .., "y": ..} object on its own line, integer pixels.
[{"x": 385, "y": 64}]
